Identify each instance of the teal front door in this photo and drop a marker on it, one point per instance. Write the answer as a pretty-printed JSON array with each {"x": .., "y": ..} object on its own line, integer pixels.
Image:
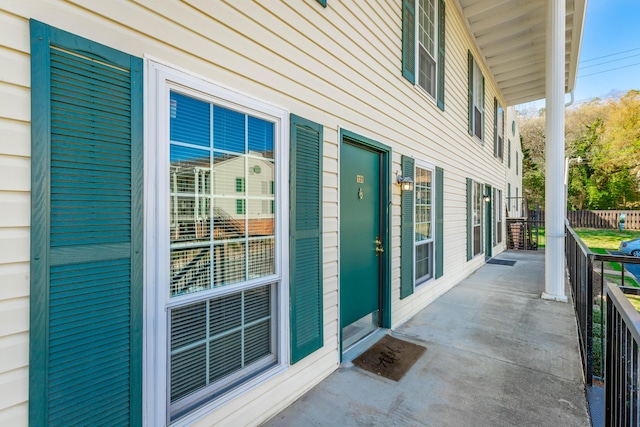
[{"x": 361, "y": 245}]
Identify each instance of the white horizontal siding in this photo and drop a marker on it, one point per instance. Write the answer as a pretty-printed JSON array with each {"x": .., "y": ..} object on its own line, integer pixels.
[
  {"x": 338, "y": 66},
  {"x": 14, "y": 390}
]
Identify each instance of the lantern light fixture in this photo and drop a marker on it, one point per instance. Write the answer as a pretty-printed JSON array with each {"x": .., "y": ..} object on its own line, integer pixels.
[{"x": 405, "y": 182}]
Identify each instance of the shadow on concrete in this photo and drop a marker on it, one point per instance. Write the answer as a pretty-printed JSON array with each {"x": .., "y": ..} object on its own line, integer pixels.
[{"x": 497, "y": 355}]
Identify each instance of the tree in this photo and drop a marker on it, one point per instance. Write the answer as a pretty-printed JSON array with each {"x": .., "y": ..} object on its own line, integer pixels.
[{"x": 606, "y": 134}]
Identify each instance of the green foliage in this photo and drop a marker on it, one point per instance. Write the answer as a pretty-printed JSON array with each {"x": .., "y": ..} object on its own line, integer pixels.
[{"x": 606, "y": 135}]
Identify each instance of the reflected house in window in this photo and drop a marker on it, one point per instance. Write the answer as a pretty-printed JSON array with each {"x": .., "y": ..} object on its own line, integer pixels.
[{"x": 240, "y": 204}]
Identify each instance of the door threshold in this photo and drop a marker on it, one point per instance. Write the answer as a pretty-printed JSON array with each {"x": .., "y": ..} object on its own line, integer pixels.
[{"x": 361, "y": 346}]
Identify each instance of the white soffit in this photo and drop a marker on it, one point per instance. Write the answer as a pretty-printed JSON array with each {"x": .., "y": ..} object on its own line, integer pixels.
[{"x": 511, "y": 37}]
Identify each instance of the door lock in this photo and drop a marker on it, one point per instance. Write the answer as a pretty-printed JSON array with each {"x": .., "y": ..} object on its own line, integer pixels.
[{"x": 379, "y": 248}]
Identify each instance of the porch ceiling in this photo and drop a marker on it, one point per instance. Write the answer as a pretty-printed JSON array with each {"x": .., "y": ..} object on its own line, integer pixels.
[{"x": 511, "y": 36}]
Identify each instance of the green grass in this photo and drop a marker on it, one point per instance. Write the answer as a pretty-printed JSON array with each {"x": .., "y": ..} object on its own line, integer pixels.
[
  {"x": 635, "y": 300},
  {"x": 599, "y": 241},
  {"x": 605, "y": 239},
  {"x": 628, "y": 281}
]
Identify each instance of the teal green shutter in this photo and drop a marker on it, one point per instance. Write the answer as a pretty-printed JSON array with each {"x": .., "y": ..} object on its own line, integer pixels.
[
  {"x": 439, "y": 222},
  {"x": 86, "y": 235},
  {"x": 323, "y": 3},
  {"x": 441, "y": 33},
  {"x": 406, "y": 232},
  {"x": 470, "y": 90},
  {"x": 469, "y": 219},
  {"x": 305, "y": 256},
  {"x": 409, "y": 40},
  {"x": 240, "y": 185},
  {"x": 495, "y": 127},
  {"x": 483, "y": 111}
]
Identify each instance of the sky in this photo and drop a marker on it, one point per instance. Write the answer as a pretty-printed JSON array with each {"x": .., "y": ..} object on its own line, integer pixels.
[{"x": 610, "y": 50}]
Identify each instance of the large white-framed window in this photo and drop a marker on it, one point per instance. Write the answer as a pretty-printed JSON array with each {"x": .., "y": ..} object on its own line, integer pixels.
[
  {"x": 476, "y": 211},
  {"x": 499, "y": 127},
  {"x": 427, "y": 46},
  {"x": 215, "y": 272},
  {"x": 476, "y": 100},
  {"x": 424, "y": 193},
  {"x": 497, "y": 216}
]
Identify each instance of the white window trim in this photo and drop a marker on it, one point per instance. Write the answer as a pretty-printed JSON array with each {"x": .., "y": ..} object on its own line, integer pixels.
[
  {"x": 481, "y": 224},
  {"x": 429, "y": 166},
  {"x": 158, "y": 78},
  {"x": 416, "y": 71},
  {"x": 500, "y": 126},
  {"x": 498, "y": 215},
  {"x": 477, "y": 100}
]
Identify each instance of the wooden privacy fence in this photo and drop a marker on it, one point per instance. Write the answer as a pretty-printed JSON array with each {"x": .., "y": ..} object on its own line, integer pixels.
[{"x": 598, "y": 219}]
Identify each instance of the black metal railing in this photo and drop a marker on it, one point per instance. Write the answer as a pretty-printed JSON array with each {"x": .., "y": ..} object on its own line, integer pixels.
[
  {"x": 579, "y": 264},
  {"x": 621, "y": 367},
  {"x": 608, "y": 327}
]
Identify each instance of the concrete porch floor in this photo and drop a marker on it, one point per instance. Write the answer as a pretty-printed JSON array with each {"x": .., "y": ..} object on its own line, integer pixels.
[{"x": 497, "y": 355}]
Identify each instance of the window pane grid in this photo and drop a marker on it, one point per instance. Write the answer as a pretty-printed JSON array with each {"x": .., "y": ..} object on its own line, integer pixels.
[
  {"x": 423, "y": 204},
  {"x": 477, "y": 218},
  {"x": 478, "y": 107},
  {"x": 212, "y": 339},
  {"x": 424, "y": 261},
  {"x": 423, "y": 190},
  {"x": 222, "y": 196},
  {"x": 426, "y": 29}
]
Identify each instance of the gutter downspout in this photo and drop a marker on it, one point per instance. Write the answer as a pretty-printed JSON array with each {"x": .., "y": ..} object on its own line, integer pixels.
[{"x": 554, "y": 286}]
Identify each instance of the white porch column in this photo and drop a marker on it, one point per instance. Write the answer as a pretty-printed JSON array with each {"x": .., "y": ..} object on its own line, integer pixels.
[{"x": 554, "y": 190}]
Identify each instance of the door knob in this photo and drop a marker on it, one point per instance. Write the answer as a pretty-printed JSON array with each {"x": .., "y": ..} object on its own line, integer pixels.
[{"x": 379, "y": 248}]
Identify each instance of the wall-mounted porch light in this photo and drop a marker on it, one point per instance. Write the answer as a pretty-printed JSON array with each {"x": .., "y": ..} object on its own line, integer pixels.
[
  {"x": 486, "y": 198},
  {"x": 405, "y": 182}
]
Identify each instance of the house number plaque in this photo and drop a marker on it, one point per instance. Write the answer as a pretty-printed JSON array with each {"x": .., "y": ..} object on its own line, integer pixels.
[{"x": 360, "y": 179}]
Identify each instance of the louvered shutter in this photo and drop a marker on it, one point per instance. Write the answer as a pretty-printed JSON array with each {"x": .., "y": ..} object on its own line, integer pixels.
[
  {"x": 86, "y": 235},
  {"x": 305, "y": 238},
  {"x": 483, "y": 110},
  {"x": 441, "y": 35},
  {"x": 409, "y": 40},
  {"x": 439, "y": 222},
  {"x": 495, "y": 127},
  {"x": 470, "y": 91},
  {"x": 406, "y": 232},
  {"x": 469, "y": 219}
]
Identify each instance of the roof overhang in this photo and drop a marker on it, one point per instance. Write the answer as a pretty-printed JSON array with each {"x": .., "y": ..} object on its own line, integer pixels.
[{"x": 511, "y": 37}]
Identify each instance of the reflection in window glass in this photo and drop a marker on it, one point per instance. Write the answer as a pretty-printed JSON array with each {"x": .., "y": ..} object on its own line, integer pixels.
[
  {"x": 423, "y": 190},
  {"x": 190, "y": 120},
  {"x": 222, "y": 176},
  {"x": 477, "y": 218},
  {"x": 229, "y": 130}
]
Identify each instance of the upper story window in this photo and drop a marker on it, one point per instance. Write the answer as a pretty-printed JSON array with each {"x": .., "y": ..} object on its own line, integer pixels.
[
  {"x": 498, "y": 119},
  {"x": 423, "y": 45},
  {"x": 475, "y": 98},
  {"x": 427, "y": 52}
]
